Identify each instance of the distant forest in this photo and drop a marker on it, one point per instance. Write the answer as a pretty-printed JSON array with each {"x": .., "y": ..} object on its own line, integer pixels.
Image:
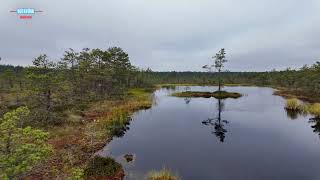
[
  {"x": 306, "y": 79},
  {"x": 49, "y": 87}
]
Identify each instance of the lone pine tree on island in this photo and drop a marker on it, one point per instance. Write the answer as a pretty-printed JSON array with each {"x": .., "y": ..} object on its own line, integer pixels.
[{"x": 219, "y": 60}]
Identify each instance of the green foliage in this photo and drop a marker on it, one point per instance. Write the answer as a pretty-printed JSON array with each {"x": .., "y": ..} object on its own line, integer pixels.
[
  {"x": 74, "y": 82},
  {"x": 164, "y": 174},
  {"x": 44, "y": 90},
  {"x": 102, "y": 167},
  {"x": 20, "y": 148},
  {"x": 219, "y": 60},
  {"x": 77, "y": 174},
  {"x": 117, "y": 126}
]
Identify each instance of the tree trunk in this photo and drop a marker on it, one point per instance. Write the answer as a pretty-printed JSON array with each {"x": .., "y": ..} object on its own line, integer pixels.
[
  {"x": 219, "y": 79},
  {"x": 49, "y": 105},
  {"x": 8, "y": 145}
]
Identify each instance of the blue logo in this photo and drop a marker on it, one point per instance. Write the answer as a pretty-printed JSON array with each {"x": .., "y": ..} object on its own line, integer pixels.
[{"x": 25, "y": 11}]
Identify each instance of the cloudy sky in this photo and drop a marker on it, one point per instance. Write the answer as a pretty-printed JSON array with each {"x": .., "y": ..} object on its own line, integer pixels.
[{"x": 168, "y": 35}]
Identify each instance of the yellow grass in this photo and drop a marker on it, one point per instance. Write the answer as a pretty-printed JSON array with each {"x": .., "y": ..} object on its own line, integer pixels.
[
  {"x": 314, "y": 109},
  {"x": 163, "y": 174}
]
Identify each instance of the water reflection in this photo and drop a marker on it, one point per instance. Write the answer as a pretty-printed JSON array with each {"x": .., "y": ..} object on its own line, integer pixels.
[
  {"x": 119, "y": 129},
  {"x": 218, "y": 123},
  {"x": 168, "y": 135},
  {"x": 295, "y": 114},
  {"x": 316, "y": 126},
  {"x": 292, "y": 114},
  {"x": 169, "y": 87},
  {"x": 187, "y": 100}
]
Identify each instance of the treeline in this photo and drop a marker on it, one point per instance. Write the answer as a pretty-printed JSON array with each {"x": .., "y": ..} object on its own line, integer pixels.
[
  {"x": 306, "y": 79},
  {"x": 52, "y": 88}
]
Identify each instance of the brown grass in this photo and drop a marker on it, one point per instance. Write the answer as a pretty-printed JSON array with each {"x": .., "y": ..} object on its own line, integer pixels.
[
  {"x": 75, "y": 143},
  {"x": 286, "y": 93}
]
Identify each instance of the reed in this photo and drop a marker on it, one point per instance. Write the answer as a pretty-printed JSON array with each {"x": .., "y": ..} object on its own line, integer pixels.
[{"x": 163, "y": 174}]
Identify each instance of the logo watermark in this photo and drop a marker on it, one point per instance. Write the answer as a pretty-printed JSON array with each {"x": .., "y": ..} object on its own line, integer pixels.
[{"x": 26, "y": 13}]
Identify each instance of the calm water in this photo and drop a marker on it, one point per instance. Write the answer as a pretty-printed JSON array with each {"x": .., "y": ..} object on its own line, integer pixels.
[{"x": 252, "y": 139}]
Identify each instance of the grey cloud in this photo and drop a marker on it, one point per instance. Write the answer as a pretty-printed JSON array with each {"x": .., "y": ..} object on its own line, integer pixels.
[{"x": 168, "y": 34}]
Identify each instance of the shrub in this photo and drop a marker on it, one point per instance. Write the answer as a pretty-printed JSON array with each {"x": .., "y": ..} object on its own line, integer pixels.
[
  {"x": 293, "y": 104},
  {"x": 164, "y": 174},
  {"x": 314, "y": 109},
  {"x": 77, "y": 174},
  {"x": 102, "y": 167},
  {"x": 21, "y": 149},
  {"x": 304, "y": 108}
]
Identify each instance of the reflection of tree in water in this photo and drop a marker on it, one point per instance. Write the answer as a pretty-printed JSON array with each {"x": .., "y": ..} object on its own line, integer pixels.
[
  {"x": 218, "y": 123},
  {"x": 187, "y": 100},
  {"x": 118, "y": 129},
  {"x": 169, "y": 87},
  {"x": 316, "y": 126},
  {"x": 292, "y": 114}
]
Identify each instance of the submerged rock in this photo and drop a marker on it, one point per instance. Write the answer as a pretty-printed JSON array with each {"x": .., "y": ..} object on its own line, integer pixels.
[{"x": 128, "y": 157}]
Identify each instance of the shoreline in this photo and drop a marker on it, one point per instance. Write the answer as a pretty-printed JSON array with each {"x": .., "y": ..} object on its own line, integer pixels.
[
  {"x": 77, "y": 142},
  {"x": 278, "y": 91}
]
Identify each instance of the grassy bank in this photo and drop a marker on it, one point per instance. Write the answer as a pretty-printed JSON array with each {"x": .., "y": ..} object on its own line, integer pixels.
[
  {"x": 76, "y": 142},
  {"x": 295, "y": 106},
  {"x": 216, "y": 94},
  {"x": 287, "y": 93}
]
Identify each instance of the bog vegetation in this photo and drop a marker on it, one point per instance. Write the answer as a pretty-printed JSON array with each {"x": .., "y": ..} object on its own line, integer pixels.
[
  {"x": 21, "y": 147},
  {"x": 295, "y": 105},
  {"x": 83, "y": 100},
  {"x": 55, "y": 114}
]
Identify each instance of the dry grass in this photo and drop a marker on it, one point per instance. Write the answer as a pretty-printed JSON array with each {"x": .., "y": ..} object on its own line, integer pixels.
[
  {"x": 314, "y": 109},
  {"x": 164, "y": 174},
  {"x": 293, "y": 104},
  {"x": 296, "y": 94}
]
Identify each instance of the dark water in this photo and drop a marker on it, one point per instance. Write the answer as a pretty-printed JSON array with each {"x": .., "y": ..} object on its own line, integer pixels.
[{"x": 253, "y": 138}]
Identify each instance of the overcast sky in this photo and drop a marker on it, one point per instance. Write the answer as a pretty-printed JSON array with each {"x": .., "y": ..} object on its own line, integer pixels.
[{"x": 168, "y": 35}]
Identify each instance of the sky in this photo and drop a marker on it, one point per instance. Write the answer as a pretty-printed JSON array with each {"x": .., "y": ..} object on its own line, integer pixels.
[{"x": 167, "y": 35}]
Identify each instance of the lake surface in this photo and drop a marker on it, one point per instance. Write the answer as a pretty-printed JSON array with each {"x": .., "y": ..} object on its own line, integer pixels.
[{"x": 252, "y": 138}]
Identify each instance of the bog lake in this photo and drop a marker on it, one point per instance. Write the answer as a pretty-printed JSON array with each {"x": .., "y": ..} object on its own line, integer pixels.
[{"x": 252, "y": 137}]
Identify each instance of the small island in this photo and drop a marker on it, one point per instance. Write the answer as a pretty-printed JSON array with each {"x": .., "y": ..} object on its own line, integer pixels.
[
  {"x": 216, "y": 94},
  {"x": 219, "y": 60}
]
